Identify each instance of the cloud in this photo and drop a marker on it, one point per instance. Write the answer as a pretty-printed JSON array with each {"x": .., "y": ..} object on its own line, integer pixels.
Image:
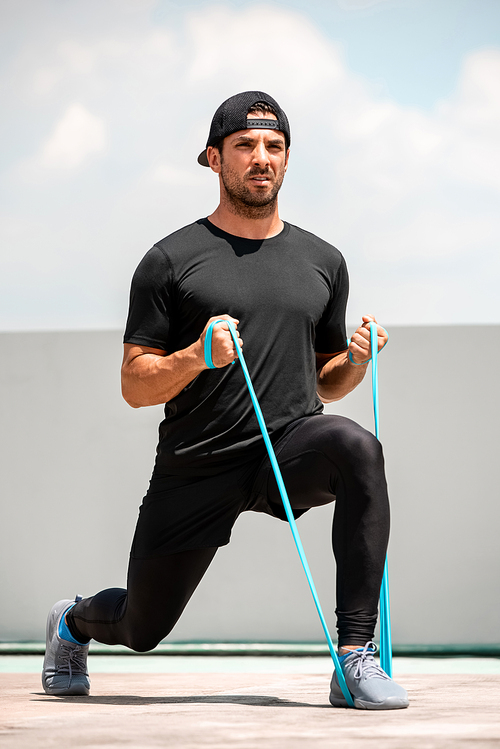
[
  {"x": 425, "y": 181},
  {"x": 364, "y": 4},
  {"x": 174, "y": 176},
  {"x": 410, "y": 197},
  {"x": 78, "y": 135}
]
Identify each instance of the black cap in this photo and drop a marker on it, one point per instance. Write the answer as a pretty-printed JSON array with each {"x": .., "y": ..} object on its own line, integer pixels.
[{"x": 231, "y": 116}]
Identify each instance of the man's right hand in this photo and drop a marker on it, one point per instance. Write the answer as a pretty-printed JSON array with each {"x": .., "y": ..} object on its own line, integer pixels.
[
  {"x": 223, "y": 347},
  {"x": 151, "y": 376}
]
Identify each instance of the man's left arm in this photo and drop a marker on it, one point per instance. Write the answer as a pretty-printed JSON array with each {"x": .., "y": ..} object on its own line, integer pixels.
[{"x": 336, "y": 374}]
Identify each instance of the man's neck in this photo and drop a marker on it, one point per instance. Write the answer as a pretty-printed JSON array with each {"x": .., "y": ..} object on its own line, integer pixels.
[{"x": 243, "y": 226}]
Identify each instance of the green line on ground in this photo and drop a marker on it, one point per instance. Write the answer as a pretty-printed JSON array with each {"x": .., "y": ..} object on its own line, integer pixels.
[{"x": 491, "y": 650}]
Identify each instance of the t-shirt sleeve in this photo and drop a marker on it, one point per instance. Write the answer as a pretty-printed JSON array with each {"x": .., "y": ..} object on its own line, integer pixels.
[
  {"x": 331, "y": 334},
  {"x": 149, "y": 321}
]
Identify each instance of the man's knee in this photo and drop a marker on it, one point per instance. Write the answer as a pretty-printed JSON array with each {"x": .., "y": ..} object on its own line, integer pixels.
[
  {"x": 368, "y": 446},
  {"x": 144, "y": 634},
  {"x": 142, "y": 642},
  {"x": 357, "y": 444}
]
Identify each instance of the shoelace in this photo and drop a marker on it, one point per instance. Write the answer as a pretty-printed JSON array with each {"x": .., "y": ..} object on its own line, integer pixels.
[
  {"x": 366, "y": 665},
  {"x": 71, "y": 661}
]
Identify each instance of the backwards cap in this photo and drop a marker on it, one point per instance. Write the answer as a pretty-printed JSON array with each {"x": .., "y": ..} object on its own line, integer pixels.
[{"x": 231, "y": 116}]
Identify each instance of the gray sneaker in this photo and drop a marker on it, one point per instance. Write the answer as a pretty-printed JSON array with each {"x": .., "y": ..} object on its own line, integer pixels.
[
  {"x": 65, "y": 663},
  {"x": 369, "y": 685}
]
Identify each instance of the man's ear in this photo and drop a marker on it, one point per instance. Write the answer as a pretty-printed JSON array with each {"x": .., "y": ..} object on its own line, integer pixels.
[
  {"x": 213, "y": 157},
  {"x": 286, "y": 158}
]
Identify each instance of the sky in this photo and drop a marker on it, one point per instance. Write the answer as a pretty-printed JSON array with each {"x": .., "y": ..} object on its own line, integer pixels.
[{"x": 394, "y": 108}]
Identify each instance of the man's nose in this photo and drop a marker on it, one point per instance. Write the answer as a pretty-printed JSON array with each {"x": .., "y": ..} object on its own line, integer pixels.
[{"x": 260, "y": 155}]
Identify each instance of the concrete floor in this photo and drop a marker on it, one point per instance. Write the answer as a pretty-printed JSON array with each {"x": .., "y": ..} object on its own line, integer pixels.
[{"x": 241, "y": 710}]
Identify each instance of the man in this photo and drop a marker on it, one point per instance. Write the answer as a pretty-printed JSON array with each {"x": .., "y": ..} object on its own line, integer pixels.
[{"x": 286, "y": 290}]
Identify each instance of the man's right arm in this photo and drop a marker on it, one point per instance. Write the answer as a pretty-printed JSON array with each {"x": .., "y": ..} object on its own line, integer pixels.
[{"x": 150, "y": 376}]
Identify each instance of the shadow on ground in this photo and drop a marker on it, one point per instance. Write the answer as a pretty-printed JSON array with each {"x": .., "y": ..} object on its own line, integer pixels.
[{"x": 254, "y": 700}]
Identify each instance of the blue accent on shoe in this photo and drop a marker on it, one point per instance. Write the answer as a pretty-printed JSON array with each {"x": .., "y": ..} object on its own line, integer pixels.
[
  {"x": 64, "y": 632},
  {"x": 350, "y": 652}
]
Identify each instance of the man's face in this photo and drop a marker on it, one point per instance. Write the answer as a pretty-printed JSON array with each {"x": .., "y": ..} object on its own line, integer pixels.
[{"x": 252, "y": 165}]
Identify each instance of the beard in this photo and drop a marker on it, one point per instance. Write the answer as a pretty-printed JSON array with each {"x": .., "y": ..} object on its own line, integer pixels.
[{"x": 242, "y": 201}]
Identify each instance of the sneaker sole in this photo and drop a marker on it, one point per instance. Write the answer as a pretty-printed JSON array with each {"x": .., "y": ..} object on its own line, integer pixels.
[
  {"x": 75, "y": 690},
  {"x": 391, "y": 703}
]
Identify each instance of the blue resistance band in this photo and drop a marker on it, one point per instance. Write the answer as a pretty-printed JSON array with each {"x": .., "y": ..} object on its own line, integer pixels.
[
  {"x": 385, "y": 611},
  {"x": 283, "y": 492},
  {"x": 284, "y": 495}
]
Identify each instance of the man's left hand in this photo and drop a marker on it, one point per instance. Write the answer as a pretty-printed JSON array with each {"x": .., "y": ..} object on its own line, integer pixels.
[{"x": 360, "y": 346}]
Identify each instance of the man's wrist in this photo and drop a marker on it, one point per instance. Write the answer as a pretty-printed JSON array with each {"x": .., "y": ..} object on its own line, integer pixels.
[
  {"x": 198, "y": 354},
  {"x": 357, "y": 364}
]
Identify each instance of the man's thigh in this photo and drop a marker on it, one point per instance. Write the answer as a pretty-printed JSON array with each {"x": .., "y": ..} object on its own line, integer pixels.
[
  {"x": 186, "y": 513},
  {"x": 312, "y": 457}
]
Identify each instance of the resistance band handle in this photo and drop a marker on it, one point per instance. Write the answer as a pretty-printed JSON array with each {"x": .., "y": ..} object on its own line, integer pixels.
[
  {"x": 207, "y": 349},
  {"x": 358, "y": 364}
]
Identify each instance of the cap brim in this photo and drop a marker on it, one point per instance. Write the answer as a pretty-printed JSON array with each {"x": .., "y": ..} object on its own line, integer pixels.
[{"x": 202, "y": 158}]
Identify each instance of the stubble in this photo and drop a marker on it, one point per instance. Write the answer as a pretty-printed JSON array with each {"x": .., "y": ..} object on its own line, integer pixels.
[{"x": 242, "y": 201}]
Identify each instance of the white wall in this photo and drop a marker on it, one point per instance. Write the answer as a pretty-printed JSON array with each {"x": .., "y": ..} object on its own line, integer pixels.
[{"x": 76, "y": 462}]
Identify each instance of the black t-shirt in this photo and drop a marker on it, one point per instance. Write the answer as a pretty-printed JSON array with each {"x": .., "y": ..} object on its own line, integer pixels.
[{"x": 289, "y": 293}]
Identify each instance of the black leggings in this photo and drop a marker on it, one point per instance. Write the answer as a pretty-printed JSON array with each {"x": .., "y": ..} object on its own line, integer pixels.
[{"x": 324, "y": 458}]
